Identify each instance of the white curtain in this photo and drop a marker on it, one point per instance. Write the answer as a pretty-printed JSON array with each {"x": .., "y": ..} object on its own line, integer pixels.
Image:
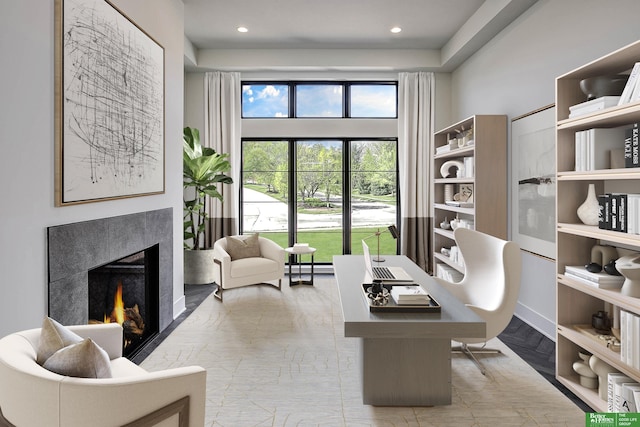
[
  {"x": 222, "y": 133},
  {"x": 415, "y": 148}
]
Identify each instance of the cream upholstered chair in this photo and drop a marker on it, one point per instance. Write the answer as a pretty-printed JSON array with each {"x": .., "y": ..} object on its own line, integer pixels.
[
  {"x": 33, "y": 396},
  {"x": 247, "y": 260},
  {"x": 490, "y": 285}
]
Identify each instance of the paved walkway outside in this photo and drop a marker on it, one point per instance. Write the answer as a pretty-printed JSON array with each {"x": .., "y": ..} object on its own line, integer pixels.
[{"x": 264, "y": 213}]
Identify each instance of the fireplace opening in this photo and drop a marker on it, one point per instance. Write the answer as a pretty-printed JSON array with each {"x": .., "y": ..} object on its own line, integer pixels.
[{"x": 125, "y": 291}]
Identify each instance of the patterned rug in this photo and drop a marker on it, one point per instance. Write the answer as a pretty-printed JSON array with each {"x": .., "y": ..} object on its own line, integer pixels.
[{"x": 281, "y": 359}]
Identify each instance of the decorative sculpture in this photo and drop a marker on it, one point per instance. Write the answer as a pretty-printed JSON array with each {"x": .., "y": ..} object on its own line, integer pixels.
[
  {"x": 445, "y": 169},
  {"x": 629, "y": 267}
]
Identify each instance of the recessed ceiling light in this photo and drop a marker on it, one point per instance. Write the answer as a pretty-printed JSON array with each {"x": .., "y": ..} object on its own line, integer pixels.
[
  {"x": 396, "y": 30},
  {"x": 243, "y": 29}
]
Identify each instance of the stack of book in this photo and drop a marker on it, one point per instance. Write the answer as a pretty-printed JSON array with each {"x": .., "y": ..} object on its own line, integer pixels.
[
  {"x": 450, "y": 274},
  {"x": 631, "y": 91},
  {"x": 623, "y": 393},
  {"x": 592, "y": 147},
  {"x": 593, "y": 106},
  {"x": 410, "y": 295},
  {"x": 598, "y": 280},
  {"x": 301, "y": 247},
  {"x": 619, "y": 212},
  {"x": 630, "y": 339}
]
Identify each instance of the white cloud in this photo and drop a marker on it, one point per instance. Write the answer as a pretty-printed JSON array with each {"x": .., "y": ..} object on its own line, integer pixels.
[{"x": 268, "y": 91}]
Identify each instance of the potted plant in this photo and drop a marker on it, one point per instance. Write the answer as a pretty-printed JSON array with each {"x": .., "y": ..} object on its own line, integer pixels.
[{"x": 203, "y": 168}]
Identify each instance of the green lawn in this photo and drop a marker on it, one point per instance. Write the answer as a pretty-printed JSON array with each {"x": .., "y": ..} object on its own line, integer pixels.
[{"x": 329, "y": 242}]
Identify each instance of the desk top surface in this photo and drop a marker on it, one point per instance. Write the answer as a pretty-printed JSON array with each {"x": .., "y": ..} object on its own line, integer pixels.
[{"x": 454, "y": 320}]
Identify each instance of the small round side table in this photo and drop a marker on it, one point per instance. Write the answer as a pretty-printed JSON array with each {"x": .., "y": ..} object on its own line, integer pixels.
[{"x": 297, "y": 252}]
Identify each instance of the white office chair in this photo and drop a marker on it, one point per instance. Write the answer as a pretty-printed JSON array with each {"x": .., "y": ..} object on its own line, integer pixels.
[{"x": 490, "y": 285}]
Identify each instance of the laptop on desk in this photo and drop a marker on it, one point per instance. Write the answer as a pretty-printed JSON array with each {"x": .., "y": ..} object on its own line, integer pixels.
[{"x": 386, "y": 274}]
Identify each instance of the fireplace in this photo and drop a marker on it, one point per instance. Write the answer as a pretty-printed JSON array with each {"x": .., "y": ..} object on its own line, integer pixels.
[
  {"x": 82, "y": 253},
  {"x": 125, "y": 291}
]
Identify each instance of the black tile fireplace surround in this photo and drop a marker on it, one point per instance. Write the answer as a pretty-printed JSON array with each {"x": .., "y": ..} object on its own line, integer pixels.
[{"x": 74, "y": 249}]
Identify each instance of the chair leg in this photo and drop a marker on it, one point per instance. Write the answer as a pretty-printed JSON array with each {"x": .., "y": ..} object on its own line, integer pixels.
[
  {"x": 468, "y": 351},
  {"x": 218, "y": 292}
]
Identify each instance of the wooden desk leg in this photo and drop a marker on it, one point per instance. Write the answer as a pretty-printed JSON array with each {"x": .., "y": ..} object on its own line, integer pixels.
[{"x": 406, "y": 372}]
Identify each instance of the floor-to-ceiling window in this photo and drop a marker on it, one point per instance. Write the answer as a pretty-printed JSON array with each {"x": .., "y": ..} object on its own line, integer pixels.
[{"x": 328, "y": 191}]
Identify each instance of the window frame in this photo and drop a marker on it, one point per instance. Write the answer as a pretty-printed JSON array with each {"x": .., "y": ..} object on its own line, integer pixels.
[
  {"x": 346, "y": 96},
  {"x": 346, "y": 185}
]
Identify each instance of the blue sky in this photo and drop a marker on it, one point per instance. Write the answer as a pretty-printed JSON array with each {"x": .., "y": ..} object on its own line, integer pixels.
[{"x": 272, "y": 100}]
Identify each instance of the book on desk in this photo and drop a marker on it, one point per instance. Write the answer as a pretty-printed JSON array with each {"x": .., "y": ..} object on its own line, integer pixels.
[
  {"x": 410, "y": 295},
  {"x": 407, "y": 297}
]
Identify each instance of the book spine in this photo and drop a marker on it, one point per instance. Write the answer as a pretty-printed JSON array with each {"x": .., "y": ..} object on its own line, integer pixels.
[
  {"x": 622, "y": 213},
  {"x": 628, "y": 136},
  {"x": 623, "y": 335},
  {"x": 631, "y": 213},
  {"x": 614, "y": 212},
  {"x": 603, "y": 212},
  {"x": 578, "y": 153},
  {"x": 635, "y": 160}
]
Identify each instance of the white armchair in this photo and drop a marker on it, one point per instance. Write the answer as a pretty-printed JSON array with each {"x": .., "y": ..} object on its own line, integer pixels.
[
  {"x": 233, "y": 272},
  {"x": 32, "y": 396},
  {"x": 490, "y": 286}
]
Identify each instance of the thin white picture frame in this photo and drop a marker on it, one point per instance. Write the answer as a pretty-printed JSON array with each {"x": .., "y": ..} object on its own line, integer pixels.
[{"x": 533, "y": 181}]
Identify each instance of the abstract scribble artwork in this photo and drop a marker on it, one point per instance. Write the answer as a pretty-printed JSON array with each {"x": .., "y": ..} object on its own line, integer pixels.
[{"x": 112, "y": 101}]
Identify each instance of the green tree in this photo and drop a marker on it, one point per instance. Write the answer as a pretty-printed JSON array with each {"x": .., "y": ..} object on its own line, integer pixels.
[{"x": 261, "y": 160}]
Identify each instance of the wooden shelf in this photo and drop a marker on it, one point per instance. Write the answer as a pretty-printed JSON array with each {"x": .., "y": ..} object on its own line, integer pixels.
[
  {"x": 577, "y": 301},
  {"x": 489, "y": 155},
  {"x": 442, "y": 206},
  {"x": 608, "y": 118},
  {"x": 454, "y": 180},
  {"x": 446, "y": 233},
  {"x": 446, "y": 260},
  {"x": 465, "y": 151},
  {"x": 604, "y": 174},
  {"x": 588, "y": 395},
  {"x": 612, "y": 296},
  {"x": 594, "y": 232}
]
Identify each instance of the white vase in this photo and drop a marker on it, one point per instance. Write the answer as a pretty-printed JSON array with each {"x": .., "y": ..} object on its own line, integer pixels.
[{"x": 588, "y": 210}]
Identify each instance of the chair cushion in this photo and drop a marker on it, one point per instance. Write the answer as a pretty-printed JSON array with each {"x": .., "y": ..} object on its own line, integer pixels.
[
  {"x": 123, "y": 367},
  {"x": 239, "y": 247},
  {"x": 252, "y": 267},
  {"x": 85, "y": 360},
  {"x": 53, "y": 337}
]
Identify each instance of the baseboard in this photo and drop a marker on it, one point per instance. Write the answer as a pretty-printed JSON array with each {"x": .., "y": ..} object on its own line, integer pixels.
[
  {"x": 543, "y": 325},
  {"x": 179, "y": 306}
]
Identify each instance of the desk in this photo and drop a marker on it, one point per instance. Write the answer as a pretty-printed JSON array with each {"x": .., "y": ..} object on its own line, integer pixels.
[{"x": 405, "y": 357}]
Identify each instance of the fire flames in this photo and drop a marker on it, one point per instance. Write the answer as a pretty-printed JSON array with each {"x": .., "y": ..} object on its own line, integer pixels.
[{"x": 129, "y": 318}]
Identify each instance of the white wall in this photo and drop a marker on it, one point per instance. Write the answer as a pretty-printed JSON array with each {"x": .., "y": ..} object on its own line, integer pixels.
[
  {"x": 27, "y": 150},
  {"x": 515, "y": 73}
]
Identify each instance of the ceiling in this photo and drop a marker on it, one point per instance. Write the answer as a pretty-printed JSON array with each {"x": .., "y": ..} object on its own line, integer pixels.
[{"x": 453, "y": 28}]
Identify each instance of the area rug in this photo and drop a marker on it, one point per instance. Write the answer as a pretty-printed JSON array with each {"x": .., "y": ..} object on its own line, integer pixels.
[{"x": 280, "y": 358}]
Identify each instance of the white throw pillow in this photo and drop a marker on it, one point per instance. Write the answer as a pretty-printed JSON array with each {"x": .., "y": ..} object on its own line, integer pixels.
[
  {"x": 85, "y": 360},
  {"x": 53, "y": 337}
]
